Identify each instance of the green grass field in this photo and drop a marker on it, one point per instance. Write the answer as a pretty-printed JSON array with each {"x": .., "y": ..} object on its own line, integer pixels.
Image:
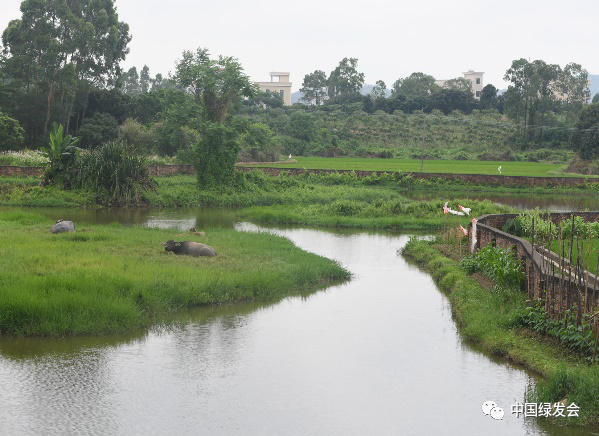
[
  {"x": 111, "y": 278},
  {"x": 430, "y": 166}
]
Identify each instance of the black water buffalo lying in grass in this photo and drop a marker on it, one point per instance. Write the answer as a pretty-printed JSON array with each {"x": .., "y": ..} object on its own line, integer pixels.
[
  {"x": 63, "y": 226},
  {"x": 189, "y": 248}
]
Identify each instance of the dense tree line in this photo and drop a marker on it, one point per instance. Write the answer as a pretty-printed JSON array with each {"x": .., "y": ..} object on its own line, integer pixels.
[{"x": 61, "y": 62}]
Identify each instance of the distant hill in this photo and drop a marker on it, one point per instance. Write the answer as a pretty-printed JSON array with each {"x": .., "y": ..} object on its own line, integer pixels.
[
  {"x": 296, "y": 96},
  {"x": 594, "y": 84}
]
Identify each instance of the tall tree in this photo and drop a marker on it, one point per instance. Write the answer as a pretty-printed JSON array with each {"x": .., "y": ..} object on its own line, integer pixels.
[
  {"x": 530, "y": 97},
  {"x": 57, "y": 45},
  {"x": 216, "y": 83},
  {"x": 415, "y": 85},
  {"x": 131, "y": 82},
  {"x": 586, "y": 138},
  {"x": 459, "y": 84},
  {"x": 144, "y": 79},
  {"x": 379, "y": 90},
  {"x": 314, "y": 87},
  {"x": 573, "y": 83},
  {"x": 345, "y": 79}
]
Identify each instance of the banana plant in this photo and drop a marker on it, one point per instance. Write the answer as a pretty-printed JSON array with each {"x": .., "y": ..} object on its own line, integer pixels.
[{"x": 61, "y": 153}]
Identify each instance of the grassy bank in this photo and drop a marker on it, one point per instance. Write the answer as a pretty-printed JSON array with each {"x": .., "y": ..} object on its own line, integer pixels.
[
  {"x": 492, "y": 320},
  {"x": 26, "y": 191},
  {"x": 398, "y": 213},
  {"x": 258, "y": 189},
  {"x": 508, "y": 168},
  {"x": 111, "y": 278}
]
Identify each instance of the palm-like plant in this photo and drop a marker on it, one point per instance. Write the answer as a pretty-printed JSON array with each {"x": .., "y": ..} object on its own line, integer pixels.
[{"x": 61, "y": 153}]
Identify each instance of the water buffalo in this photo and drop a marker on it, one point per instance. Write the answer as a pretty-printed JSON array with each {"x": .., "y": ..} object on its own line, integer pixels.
[
  {"x": 62, "y": 227},
  {"x": 189, "y": 248}
]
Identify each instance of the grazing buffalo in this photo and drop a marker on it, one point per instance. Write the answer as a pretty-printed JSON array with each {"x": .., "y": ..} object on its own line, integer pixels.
[
  {"x": 62, "y": 227},
  {"x": 189, "y": 248}
]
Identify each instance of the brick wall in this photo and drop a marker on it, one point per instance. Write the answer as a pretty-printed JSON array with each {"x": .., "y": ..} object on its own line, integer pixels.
[
  {"x": 477, "y": 179},
  {"x": 539, "y": 277},
  {"x": 12, "y": 171},
  {"x": 170, "y": 170}
]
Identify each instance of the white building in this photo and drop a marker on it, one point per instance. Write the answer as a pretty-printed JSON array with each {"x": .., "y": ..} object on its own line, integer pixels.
[
  {"x": 279, "y": 83},
  {"x": 475, "y": 78}
]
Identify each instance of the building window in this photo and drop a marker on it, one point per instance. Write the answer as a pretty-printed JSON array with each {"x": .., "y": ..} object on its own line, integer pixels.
[
  {"x": 268, "y": 90},
  {"x": 478, "y": 93},
  {"x": 282, "y": 92},
  {"x": 478, "y": 80}
]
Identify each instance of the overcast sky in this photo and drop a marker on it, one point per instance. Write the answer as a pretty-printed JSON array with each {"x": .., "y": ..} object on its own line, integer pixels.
[{"x": 391, "y": 39}]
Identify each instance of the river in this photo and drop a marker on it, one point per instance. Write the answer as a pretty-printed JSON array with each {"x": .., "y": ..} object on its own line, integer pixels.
[{"x": 377, "y": 355}]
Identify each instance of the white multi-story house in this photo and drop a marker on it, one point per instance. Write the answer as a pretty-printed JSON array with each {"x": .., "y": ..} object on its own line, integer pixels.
[
  {"x": 279, "y": 83},
  {"x": 475, "y": 77}
]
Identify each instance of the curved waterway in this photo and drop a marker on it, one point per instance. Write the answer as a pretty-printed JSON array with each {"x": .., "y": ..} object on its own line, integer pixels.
[{"x": 377, "y": 355}]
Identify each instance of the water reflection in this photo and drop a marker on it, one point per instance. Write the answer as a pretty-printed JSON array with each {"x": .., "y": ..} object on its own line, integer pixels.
[{"x": 183, "y": 218}]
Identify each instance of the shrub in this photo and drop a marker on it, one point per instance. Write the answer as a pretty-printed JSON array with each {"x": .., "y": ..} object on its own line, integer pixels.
[
  {"x": 293, "y": 146},
  {"x": 258, "y": 144},
  {"x": 577, "y": 336},
  {"x": 544, "y": 228},
  {"x": 513, "y": 227},
  {"x": 499, "y": 264},
  {"x": 61, "y": 154},
  {"x": 115, "y": 172},
  {"x": 100, "y": 128},
  {"x": 11, "y": 133},
  {"x": 215, "y": 154},
  {"x": 134, "y": 133}
]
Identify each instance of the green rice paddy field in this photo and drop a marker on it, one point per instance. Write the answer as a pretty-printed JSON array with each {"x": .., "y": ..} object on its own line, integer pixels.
[{"x": 430, "y": 166}]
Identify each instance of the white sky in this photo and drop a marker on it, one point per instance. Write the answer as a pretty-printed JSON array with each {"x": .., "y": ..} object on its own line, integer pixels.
[{"x": 391, "y": 39}]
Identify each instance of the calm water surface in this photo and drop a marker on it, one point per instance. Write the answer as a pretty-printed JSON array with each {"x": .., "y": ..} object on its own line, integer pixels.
[{"x": 377, "y": 355}]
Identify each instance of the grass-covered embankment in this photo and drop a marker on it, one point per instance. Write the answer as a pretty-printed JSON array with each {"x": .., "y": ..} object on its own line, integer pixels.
[
  {"x": 259, "y": 189},
  {"x": 492, "y": 320},
  {"x": 27, "y": 191},
  {"x": 398, "y": 213},
  {"x": 110, "y": 278}
]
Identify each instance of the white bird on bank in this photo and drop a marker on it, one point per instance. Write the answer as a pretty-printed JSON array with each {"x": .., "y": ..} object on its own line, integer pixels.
[
  {"x": 499, "y": 169},
  {"x": 289, "y": 156}
]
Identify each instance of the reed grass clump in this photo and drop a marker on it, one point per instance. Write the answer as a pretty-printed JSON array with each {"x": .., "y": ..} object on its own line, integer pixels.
[{"x": 115, "y": 172}]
